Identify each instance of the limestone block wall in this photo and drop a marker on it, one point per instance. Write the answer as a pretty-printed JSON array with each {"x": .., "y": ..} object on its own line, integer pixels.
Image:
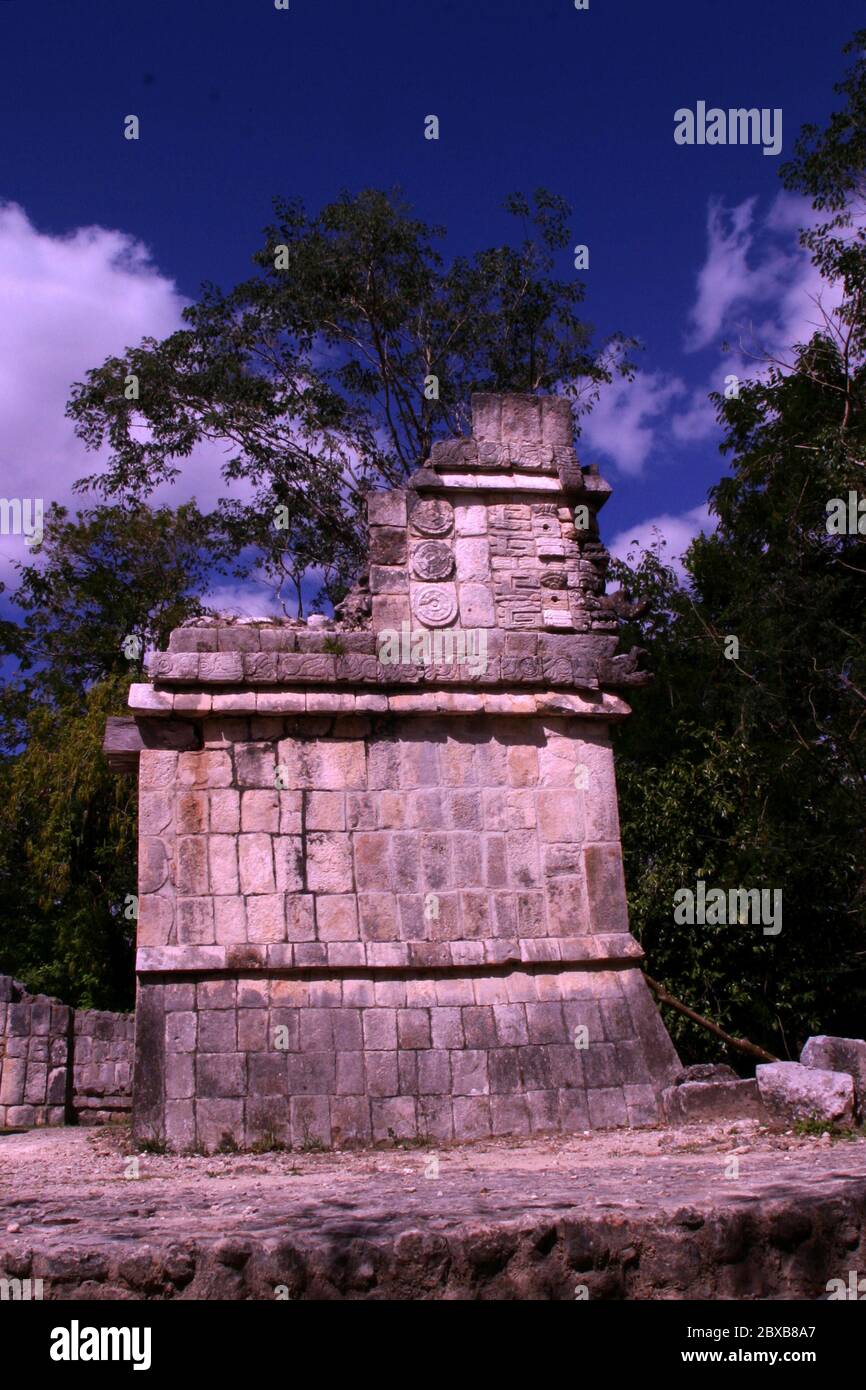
[
  {"x": 35, "y": 1056},
  {"x": 103, "y": 1050},
  {"x": 388, "y": 841},
  {"x": 360, "y": 1057},
  {"x": 60, "y": 1065},
  {"x": 356, "y": 928}
]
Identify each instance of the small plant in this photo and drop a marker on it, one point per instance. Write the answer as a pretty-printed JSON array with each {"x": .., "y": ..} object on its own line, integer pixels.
[
  {"x": 267, "y": 1142},
  {"x": 309, "y": 1144},
  {"x": 334, "y": 646},
  {"x": 417, "y": 1142},
  {"x": 154, "y": 1145},
  {"x": 227, "y": 1145},
  {"x": 803, "y": 1128}
]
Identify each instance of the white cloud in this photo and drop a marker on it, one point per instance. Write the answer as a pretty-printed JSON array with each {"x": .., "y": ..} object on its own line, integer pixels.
[
  {"x": 758, "y": 292},
  {"x": 69, "y": 301},
  {"x": 725, "y": 280},
  {"x": 244, "y": 600},
  {"x": 624, "y": 422},
  {"x": 677, "y": 531},
  {"x": 757, "y": 283}
]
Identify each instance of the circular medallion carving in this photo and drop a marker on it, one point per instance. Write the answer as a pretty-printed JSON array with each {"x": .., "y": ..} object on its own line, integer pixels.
[
  {"x": 433, "y": 518},
  {"x": 435, "y": 605},
  {"x": 433, "y": 560}
]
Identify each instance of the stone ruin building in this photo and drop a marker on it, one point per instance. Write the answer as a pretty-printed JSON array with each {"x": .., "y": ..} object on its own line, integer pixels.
[{"x": 380, "y": 885}]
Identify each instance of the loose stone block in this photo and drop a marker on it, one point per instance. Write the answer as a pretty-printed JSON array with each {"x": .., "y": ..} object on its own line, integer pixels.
[
  {"x": 843, "y": 1055},
  {"x": 793, "y": 1092}
]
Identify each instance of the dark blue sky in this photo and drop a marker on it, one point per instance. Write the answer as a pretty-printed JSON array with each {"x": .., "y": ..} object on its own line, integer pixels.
[{"x": 239, "y": 101}]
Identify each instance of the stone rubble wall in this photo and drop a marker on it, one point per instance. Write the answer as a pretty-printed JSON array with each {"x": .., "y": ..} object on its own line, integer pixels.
[{"x": 60, "y": 1065}]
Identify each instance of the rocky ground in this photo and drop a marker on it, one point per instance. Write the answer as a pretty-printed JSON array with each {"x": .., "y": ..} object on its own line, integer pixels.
[{"x": 705, "y": 1211}]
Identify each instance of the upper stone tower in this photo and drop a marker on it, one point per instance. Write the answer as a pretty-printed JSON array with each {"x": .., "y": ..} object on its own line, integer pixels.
[{"x": 499, "y": 531}]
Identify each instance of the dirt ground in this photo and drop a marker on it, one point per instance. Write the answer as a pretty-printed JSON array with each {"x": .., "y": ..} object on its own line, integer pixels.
[{"x": 727, "y": 1210}]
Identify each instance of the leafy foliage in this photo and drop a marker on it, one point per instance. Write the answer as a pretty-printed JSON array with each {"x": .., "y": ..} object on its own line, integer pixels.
[
  {"x": 101, "y": 590},
  {"x": 752, "y": 771},
  {"x": 315, "y": 375},
  {"x": 68, "y": 856}
]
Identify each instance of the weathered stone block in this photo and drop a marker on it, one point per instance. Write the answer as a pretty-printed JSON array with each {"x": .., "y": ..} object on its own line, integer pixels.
[
  {"x": 840, "y": 1054},
  {"x": 329, "y": 863},
  {"x": 195, "y": 921},
  {"x": 393, "y": 1119},
  {"x": 476, "y": 606},
  {"x": 311, "y": 1121},
  {"x": 607, "y": 1108},
  {"x": 712, "y": 1101},
  {"x": 180, "y": 1031},
  {"x": 792, "y": 1092},
  {"x": 543, "y": 1106},
  {"x": 350, "y": 1121},
  {"x": 387, "y": 508},
  {"x": 218, "y": 1122}
]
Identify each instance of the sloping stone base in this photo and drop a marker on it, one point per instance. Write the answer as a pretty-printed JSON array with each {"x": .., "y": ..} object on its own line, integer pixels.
[{"x": 356, "y": 1059}]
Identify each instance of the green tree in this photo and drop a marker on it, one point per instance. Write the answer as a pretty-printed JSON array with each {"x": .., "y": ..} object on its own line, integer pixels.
[
  {"x": 335, "y": 367},
  {"x": 100, "y": 591},
  {"x": 68, "y": 855},
  {"x": 748, "y": 768}
]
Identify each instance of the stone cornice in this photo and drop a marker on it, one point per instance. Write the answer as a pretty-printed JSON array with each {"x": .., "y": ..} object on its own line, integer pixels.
[{"x": 147, "y": 701}]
